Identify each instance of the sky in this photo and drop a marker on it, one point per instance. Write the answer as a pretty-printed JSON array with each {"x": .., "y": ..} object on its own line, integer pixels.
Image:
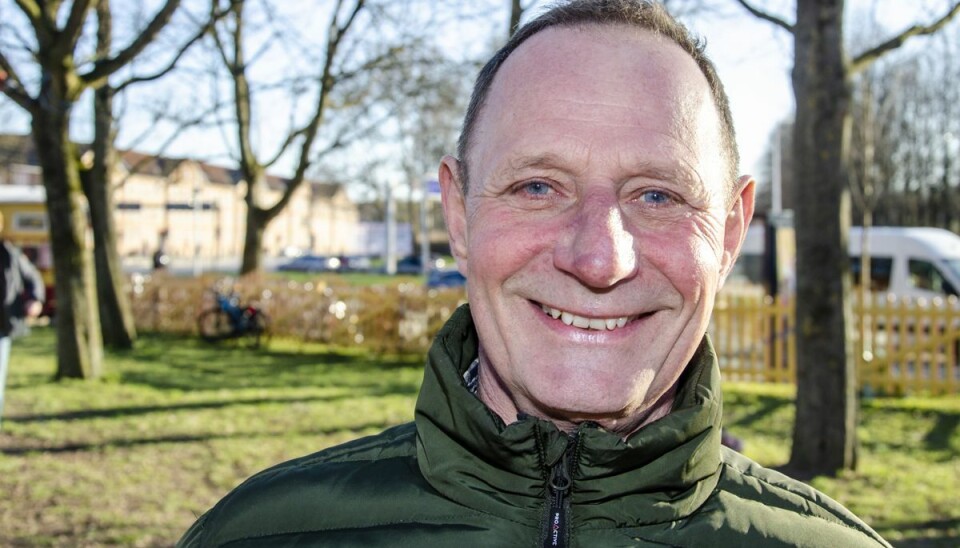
[{"x": 753, "y": 59}]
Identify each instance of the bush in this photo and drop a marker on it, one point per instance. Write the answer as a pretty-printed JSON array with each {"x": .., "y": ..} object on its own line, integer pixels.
[{"x": 386, "y": 318}]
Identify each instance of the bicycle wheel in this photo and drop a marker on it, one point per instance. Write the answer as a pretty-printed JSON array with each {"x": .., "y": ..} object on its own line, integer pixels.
[
  {"x": 214, "y": 325},
  {"x": 258, "y": 329}
]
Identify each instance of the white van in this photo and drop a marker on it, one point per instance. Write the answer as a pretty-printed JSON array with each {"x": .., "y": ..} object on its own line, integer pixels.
[
  {"x": 906, "y": 261},
  {"x": 909, "y": 261}
]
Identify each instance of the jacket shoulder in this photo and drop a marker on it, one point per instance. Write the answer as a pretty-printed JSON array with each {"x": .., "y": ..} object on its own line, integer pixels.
[
  {"x": 752, "y": 499},
  {"x": 332, "y": 488}
]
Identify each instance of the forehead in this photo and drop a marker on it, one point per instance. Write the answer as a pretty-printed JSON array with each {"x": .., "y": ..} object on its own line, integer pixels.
[{"x": 609, "y": 82}]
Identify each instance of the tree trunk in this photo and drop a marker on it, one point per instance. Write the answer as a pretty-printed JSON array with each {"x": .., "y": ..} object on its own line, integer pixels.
[
  {"x": 825, "y": 430},
  {"x": 256, "y": 225},
  {"x": 116, "y": 315},
  {"x": 79, "y": 344},
  {"x": 516, "y": 12}
]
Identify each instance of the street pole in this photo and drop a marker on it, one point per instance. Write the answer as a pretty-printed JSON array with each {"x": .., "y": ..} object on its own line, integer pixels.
[
  {"x": 391, "y": 258},
  {"x": 424, "y": 229}
]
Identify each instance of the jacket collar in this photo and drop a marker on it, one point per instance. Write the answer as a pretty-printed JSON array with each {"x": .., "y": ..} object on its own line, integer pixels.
[{"x": 663, "y": 472}]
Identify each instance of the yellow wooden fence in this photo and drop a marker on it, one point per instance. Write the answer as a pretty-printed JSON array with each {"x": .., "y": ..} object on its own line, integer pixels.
[{"x": 902, "y": 346}]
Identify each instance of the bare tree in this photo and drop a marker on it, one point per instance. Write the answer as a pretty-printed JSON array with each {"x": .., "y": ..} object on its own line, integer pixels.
[
  {"x": 926, "y": 172},
  {"x": 116, "y": 316},
  {"x": 824, "y": 438},
  {"x": 64, "y": 75},
  {"x": 230, "y": 40}
]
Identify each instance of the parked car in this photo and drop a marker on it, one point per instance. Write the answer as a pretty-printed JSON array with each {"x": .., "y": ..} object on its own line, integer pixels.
[
  {"x": 291, "y": 251},
  {"x": 355, "y": 263},
  {"x": 411, "y": 264},
  {"x": 446, "y": 278},
  {"x": 311, "y": 263}
]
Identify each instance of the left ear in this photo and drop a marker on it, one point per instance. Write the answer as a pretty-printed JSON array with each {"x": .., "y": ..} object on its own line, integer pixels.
[{"x": 736, "y": 224}]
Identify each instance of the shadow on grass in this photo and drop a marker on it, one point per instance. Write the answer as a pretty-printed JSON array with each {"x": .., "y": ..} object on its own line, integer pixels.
[
  {"x": 923, "y": 539},
  {"x": 182, "y": 364},
  {"x": 177, "y": 362},
  {"x": 186, "y": 438},
  {"x": 118, "y": 412},
  {"x": 766, "y": 406},
  {"x": 938, "y": 438}
]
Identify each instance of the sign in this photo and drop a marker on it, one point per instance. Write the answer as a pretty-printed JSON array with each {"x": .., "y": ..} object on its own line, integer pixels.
[{"x": 432, "y": 188}]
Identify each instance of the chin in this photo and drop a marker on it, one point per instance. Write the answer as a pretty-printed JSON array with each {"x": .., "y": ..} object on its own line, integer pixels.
[{"x": 598, "y": 405}]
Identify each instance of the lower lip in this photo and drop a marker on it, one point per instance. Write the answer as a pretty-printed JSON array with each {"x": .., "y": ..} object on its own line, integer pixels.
[{"x": 588, "y": 335}]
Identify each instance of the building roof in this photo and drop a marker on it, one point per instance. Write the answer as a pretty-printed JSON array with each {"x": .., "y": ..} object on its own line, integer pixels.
[
  {"x": 158, "y": 166},
  {"x": 20, "y": 149}
]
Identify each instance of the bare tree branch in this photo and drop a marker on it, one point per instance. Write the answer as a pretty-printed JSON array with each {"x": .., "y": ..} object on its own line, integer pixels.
[
  {"x": 221, "y": 49},
  {"x": 770, "y": 18},
  {"x": 199, "y": 120},
  {"x": 21, "y": 42},
  {"x": 242, "y": 98},
  {"x": 103, "y": 69},
  {"x": 12, "y": 86},
  {"x": 336, "y": 33},
  {"x": 369, "y": 65},
  {"x": 215, "y": 16},
  {"x": 32, "y": 10},
  {"x": 74, "y": 26},
  {"x": 864, "y": 60}
]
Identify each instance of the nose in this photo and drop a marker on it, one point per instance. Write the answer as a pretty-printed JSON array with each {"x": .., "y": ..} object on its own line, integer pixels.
[{"x": 597, "y": 247}]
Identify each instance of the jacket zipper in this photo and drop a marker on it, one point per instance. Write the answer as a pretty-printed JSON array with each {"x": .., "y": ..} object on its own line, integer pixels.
[{"x": 556, "y": 529}]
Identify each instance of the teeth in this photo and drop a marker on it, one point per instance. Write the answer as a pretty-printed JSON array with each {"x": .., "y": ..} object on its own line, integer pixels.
[{"x": 599, "y": 324}]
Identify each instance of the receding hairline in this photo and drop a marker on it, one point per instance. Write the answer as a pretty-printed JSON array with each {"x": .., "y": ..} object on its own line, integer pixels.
[{"x": 645, "y": 16}]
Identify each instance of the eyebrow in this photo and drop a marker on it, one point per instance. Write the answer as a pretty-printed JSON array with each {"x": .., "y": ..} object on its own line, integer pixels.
[
  {"x": 547, "y": 160},
  {"x": 681, "y": 174}
]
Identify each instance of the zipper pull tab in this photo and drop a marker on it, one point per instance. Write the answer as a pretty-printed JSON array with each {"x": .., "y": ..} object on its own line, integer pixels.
[{"x": 557, "y": 526}]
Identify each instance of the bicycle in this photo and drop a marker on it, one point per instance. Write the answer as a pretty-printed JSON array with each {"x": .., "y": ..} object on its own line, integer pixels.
[{"x": 225, "y": 318}]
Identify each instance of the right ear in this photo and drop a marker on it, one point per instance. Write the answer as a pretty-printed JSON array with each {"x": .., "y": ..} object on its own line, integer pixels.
[{"x": 454, "y": 209}]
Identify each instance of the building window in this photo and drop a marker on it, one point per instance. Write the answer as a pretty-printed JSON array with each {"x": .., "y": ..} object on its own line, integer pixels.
[
  {"x": 34, "y": 222},
  {"x": 26, "y": 175}
]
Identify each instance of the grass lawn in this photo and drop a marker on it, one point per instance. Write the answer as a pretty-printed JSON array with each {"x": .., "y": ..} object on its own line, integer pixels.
[
  {"x": 175, "y": 424},
  {"x": 354, "y": 279}
]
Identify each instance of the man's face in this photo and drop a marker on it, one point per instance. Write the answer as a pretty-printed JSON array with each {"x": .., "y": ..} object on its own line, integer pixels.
[{"x": 598, "y": 224}]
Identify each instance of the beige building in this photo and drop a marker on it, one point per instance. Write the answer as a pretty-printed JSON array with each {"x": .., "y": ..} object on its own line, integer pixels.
[{"x": 198, "y": 210}]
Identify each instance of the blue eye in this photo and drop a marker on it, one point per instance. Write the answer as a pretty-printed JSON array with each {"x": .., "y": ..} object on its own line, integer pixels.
[
  {"x": 656, "y": 197},
  {"x": 536, "y": 188}
]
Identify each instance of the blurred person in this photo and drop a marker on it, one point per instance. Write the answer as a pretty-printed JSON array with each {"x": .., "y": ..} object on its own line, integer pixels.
[
  {"x": 22, "y": 293},
  {"x": 595, "y": 209}
]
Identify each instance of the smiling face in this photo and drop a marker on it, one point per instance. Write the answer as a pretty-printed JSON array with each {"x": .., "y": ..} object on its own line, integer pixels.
[{"x": 598, "y": 225}]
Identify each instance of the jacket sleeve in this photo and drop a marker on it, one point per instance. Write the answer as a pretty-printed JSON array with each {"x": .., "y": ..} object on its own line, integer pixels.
[{"x": 33, "y": 287}]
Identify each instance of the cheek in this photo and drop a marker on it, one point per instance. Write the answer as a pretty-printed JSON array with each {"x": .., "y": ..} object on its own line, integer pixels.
[
  {"x": 501, "y": 243},
  {"x": 688, "y": 256}
]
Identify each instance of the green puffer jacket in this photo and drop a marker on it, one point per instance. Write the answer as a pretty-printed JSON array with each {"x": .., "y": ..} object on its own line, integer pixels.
[{"x": 458, "y": 476}]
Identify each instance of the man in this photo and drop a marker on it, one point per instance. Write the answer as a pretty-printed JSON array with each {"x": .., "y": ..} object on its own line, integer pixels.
[
  {"x": 595, "y": 212},
  {"x": 22, "y": 293}
]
